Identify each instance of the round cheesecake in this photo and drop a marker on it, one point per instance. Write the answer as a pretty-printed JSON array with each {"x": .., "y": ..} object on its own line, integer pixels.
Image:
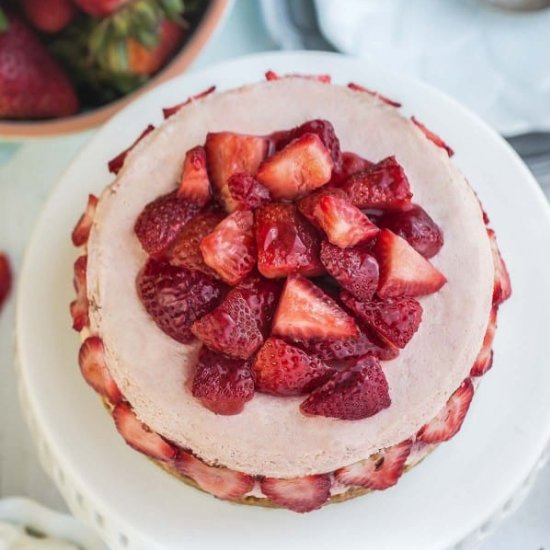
[{"x": 271, "y": 438}]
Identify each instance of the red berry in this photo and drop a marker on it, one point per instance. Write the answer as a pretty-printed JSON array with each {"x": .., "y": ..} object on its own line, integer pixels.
[
  {"x": 6, "y": 279},
  {"x": 383, "y": 98},
  {"x": 79, "y": 307},
  {"x": 116, "y": 164},
  {"x": 194, "y": 183},
  {"x": 432, "y": 136},
  {"x": 247, "y": 191},
  {"x": 351, "y": 164},
  {"x": 308, "y": 206},
  {"x": 300, "y": 494},
  {"x": 484, "y": 359},
  {"x": 81, "y": 232},
  {"x": 49, "y": 15},
  {"x": 502, "y": 289}
]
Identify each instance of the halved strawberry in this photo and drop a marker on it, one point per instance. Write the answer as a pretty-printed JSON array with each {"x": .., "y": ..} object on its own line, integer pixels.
[
  {"x": 286, "y": 242},
  {"x": 303, "y": 165},
  {"x": 169, "y": 111},
  {"x": 432, "y": 136},
  {"x": 81, "y": 232},
  {"x": 139, "y": 436},
  {"x": 6, "y": 280},
  {"x": 394, "y": 319},
  {"x": 247, "y": 191},
  {"x": 230, "y": 250},
  {"x": 484, "y": 360},
  {"x": 305, "y": 312},
  {"x": 359, "y": 88},
  {"x": 403, "y": 271},
  {"x": 325, "y": 78},
  {"x": 228, "y": 153},
  {"x": 357, "y": 392},
  {"x": 282, "y": 369},
  {"x": 413, "y": 224},
  {"x": 194, "y": 183},
  {"x": 185, "y": 251},
  {"x": 300, "y": 494},
  {"x": 383, "y": 185},
  {"x": 79, "y": 307},
  {"x": 218, "y": 481},
  {"x": 91, "y": 359},
  {"x": 351, "y": 164},
  {"x": 323, "y": 128},
  {"x": 502, "y": 289},
  {"x": 380, "y": 471},
  {"x": 449, "y": 420},
  {"x": 175, "y": 297},
  {"x": 354, "y": 268},
  {"x": 116, "y": 163},
  {"x": 222, "y": 384},
  {"x": 161, "y": 221}
]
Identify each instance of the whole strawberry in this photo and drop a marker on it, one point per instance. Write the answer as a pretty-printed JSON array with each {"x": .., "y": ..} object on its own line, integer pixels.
[
  {"x": 49, "y": 15},
  {"x": 32, "y": 84}
]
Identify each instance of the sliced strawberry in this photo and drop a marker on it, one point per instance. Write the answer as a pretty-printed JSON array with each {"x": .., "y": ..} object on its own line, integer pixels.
[
  {"x": 484, "y": 360},
  {"x": 351, "y": 164},
  {"x": 325, "y": 78},
  {"x": 185, "y": 251},
  {"x": 169, "y": 111},
  {"x": 383, "y": 185},
  {"x": 139, "y": 436},
  {"x": 286, "y": 242},
  {"x": 175, "y": 297},
  {"x": 6, "y": 280},
  {"x": 323, "y": 128},
  {"x": 305, "y": 312},
  {"x": 395, "y": 319},
  {"x": 230, "y": 250},
  {"x": 247, "y": 191},
  {"x": 358, "y": 392},
  {"x": 227, "y": 154},
  {"x": 415, "y": 226},
  {"x": 79, "y": 307},
  {"x": 221, "y": 383},
  {"x": 302, "y": 166},
  {"x": 282, "y": 369},
  {"x": 194, "y": 184},
  {"x": 115, "y": 164},
  {"x": 502, "y": 289},
  {"x": 403, "y": 271},
  {"x": 81, "y": 232},
  {"x": 380, "y": 471},
  {"x": 218, "y": 481},
  {"x": 91, "y": 359},
  {"x": 161, "y": 221},
  {"x": 354, "y": 268},
  {"x": 359, "y": 88},
  {"x": 432, "y": 136},
  {"x": 300, "y": 494},
  {"x": 449, "y": 420},
  {"x": 308, "y": 206}
]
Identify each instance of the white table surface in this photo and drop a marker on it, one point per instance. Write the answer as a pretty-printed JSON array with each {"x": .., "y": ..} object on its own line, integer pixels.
[{"x": 26, "y": 180}]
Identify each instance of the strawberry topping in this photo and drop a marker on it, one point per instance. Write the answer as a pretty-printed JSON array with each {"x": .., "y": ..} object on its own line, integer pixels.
[
  {"x": 300, "y": 494},
  {"x": 79, "y": 307},
  {"x": 502, "y": 289},
  {"x": 222, "y": 384},
  {"x": 230, "y": 250},
  {"x": 227, "y": 154},
  {"x": 139, "y": 436},
  {"x": 354, "y": 268},
  {"x": 351, "y": 164},
  {"x": 449, "y": 420},
  {"x": 221, "y": 482},
  {"x": 115, "y": 165},
  {"x": 358, "y": 392},
  {"x": 247, "y": 191},
  {"x": 308, "y": 206},
  {"x": 161, "y": 221},
  {"x": 169, "y": 111},
  {"x": 286, "y": 242},
  {"x": 380, "y": 471},
  {"x": 415, "y": 226},
  {"x": 484, "y": 360},
  {"x": 6, "y": 280},
  {"x": 194, "y": 184},
  {"x": 91, "y": 359},
  {"x": 175, "y": 297},
  {"x": 394, "y": 319},
  {"x": 403, "y": 271},
  {"x": 81, "y": 232},
  {"x": 303, "y": 165},
  {"x": 359, "y": 88},
  {"x": 305, "y": 312},
  {"x": 383, "y": 185},
  {"x": 432, "y": 136},
  {"x": 282, "y": 369}
]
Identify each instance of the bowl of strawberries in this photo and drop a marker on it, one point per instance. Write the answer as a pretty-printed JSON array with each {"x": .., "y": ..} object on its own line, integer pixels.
[{"x": 69, "y": 65}]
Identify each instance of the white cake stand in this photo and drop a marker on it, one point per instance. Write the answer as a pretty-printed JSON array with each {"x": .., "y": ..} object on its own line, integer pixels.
[{"x": 450, "y": 500}]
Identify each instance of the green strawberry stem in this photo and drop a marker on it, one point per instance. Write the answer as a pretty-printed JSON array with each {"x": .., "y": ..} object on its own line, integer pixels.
[{"x": 3, "y": 21}]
